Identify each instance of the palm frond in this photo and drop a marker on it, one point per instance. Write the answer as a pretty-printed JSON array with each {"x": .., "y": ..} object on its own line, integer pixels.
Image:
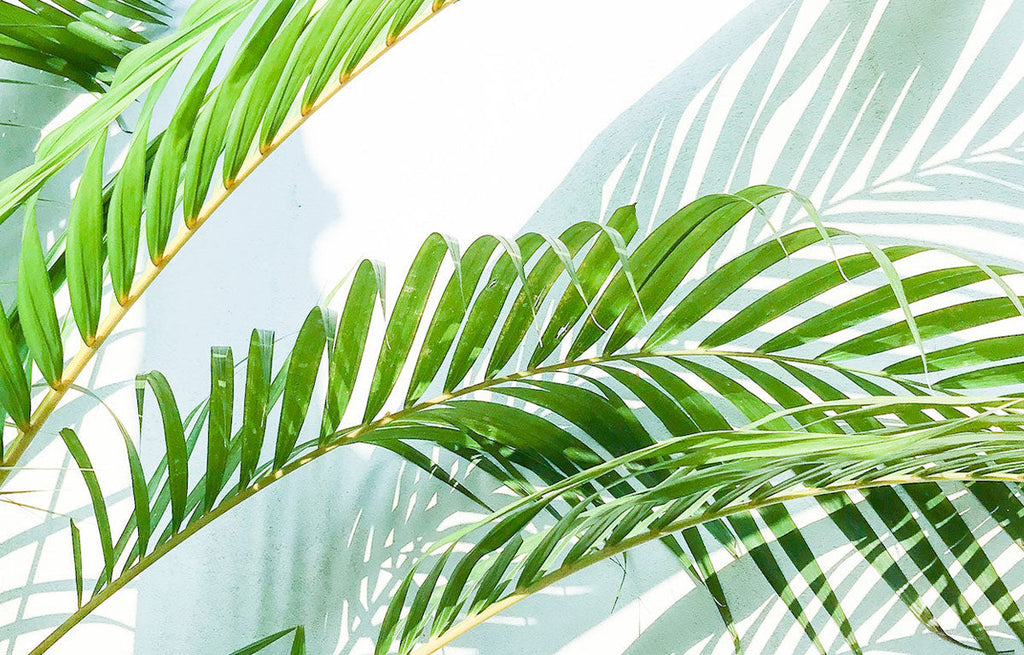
[
  {"x": 81, "y": 41},
  {"x": 293, "y": 57},
  {"x": 708, "y": 476},
  {"x": 531, "y": 357},
  {"x": 139, "y": 71}
]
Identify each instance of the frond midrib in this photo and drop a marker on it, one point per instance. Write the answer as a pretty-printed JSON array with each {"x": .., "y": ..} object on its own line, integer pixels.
[{"x": 354, "y": 433}]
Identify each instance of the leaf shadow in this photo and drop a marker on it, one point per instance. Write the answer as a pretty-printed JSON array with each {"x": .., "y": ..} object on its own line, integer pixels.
[{"x": 897, "y": 121}]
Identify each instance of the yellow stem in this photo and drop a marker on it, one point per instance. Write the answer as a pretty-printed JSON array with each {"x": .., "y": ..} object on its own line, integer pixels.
[{"x": 110, "y": 322}]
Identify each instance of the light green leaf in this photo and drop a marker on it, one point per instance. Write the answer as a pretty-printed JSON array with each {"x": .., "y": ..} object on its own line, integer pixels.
[
  {"x": 35, "y": 304},
  {"x": 222, "y": 400},
  {"x": 84, "y": 250},
  {"x": 298, "y": 389}
]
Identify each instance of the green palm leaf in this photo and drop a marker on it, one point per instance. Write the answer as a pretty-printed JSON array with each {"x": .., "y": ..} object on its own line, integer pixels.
[
  {"x": 81, "y": 41},
  {"x": 560, "y": 410},
  {"x": 708, "y": 477},
  {"x": 220, "y": 128}
]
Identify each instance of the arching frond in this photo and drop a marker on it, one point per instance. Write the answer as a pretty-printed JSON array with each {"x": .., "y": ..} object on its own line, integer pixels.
[
  {"x": 235, "y": 109},
  {"x": 143, "y": 68},
  {"x": 542, "y": 359},
  {"x": 81, "y": 41},
  {"x": 731, "y": 475}
]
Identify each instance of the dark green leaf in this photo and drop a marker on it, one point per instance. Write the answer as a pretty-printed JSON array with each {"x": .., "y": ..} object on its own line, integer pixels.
[
  {"x": 174, "y": 439},
  {"x": 222, "y": 402},
  {"x": 256, "y": 404},
  {"x": 99, "y": 505}
]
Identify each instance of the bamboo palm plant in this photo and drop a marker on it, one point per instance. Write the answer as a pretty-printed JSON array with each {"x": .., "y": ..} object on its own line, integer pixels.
[{"x": 588, "y": 373}]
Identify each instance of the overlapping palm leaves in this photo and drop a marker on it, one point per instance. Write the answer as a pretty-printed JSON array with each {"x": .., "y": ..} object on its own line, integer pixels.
[
  {"x": 293, "y": 56},
  {"x": 721, "y": 476},
  {"x": 136, "y": 74},
  {"x": 81, "y": 41},
  {"x": 541, "y": 359}
]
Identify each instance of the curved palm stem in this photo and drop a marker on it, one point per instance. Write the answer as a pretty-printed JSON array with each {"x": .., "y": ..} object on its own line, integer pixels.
[
  {"x": 460, "y": 628},
  {"x": 437, "y": 643},
  {"x": 351, "y": 434},
  {"x": 110, "y": 322}
]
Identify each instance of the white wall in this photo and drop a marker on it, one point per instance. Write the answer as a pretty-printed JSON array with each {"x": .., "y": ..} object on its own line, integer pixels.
[{"x": 899, "y": 118}]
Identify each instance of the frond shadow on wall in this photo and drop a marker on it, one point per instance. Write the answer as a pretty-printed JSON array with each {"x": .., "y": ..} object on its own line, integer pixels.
[
  {"x": 884, "y": 114},
  {"x": 897, "y": 120}
]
